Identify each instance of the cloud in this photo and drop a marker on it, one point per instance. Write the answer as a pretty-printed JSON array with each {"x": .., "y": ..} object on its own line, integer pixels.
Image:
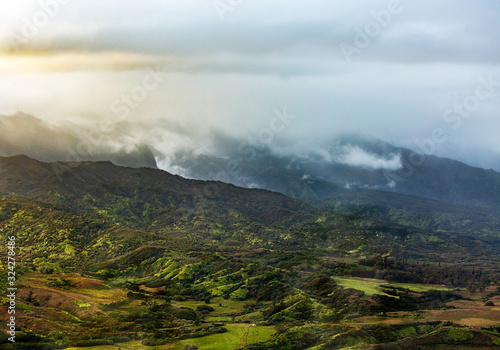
[
  {"x": 358, "y": 157},
  {"x": 25, "y": 134},
  {"x": 33, "y": 62},
  {"x": 229, "y": 75},
  {"x": 425, "y": 31}
]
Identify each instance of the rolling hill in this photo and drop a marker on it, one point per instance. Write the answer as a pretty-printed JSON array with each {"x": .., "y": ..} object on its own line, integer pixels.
[{"x": 112, "y": 255}]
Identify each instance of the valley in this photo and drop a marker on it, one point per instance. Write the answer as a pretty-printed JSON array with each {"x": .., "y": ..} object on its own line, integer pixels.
[
  {"x": 249, "y": 175},
  {"x": 122, "y": 258}
]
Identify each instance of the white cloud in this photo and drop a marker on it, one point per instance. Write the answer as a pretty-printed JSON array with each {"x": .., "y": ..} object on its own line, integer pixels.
[
  {"x": 229, "y": 75},
  {"x": 358, "y": 157}
]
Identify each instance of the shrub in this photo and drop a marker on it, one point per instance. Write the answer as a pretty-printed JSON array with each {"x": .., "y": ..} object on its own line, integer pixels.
[
  {"x": 94, "y": 342},
  {"x": 205, "y": 308},
  {"x": 185, "y": 313},
  {"x": 120, "y": 339},
  {"x": 155, "y": 342},
  {"x": 457, "y": 335}
]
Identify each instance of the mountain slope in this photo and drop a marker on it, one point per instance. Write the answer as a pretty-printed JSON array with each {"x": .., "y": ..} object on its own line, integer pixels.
[
  {"x": 154, "y": 200},
  {"x": 348, "y": 162},
  {"x": 111, "y": 255},
  {"x": 414, "y": 211},
  {"x": 22, "y": 133},
  {"x": 216, "y": 213}
]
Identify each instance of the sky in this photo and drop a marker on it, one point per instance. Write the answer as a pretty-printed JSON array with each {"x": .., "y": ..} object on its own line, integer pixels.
[{"x": 289, "y": 74}]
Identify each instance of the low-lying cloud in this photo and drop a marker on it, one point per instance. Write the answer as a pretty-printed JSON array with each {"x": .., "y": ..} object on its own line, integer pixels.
[
  {"x": 25, "y": 134},
  {"x": 230, "y": 73},
  {"x": 358, "y": 157}
]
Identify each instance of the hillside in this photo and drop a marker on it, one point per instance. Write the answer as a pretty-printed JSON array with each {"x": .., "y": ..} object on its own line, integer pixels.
[
  {"x": 86, "y": 281},
  {"x": 155, "y": 200},
  {"x": 23, "y": 133},
  {"x": 111, "y": 255},
  {"x": 216, "y": 213},
  {"x": 427, "y": 214},
  {"x": 349, "y": 162}
]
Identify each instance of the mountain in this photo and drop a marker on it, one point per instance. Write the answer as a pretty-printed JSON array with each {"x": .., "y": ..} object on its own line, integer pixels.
[
  {"x": 471, "y": 155},
  {"x": 150, "y": 199},
  {"x": 414, "y": 211},
  {"x": 355, "y": 223},
  {"x": 108, "y": 255},
  {"x": 309, "y": 174},
  {"x": 22, "y": 133},
  {"x": 348, "y": 162}
]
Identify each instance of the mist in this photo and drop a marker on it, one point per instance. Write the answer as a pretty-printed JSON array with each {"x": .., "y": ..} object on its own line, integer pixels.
[{"x": 174, "y": 76}]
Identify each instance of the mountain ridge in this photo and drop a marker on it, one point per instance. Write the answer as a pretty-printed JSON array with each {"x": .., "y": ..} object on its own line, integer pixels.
[
  {"x": 312, "y": 177},
  {"x": 157, "y": 201},
  {"x": 23, "y": 133},
  {"x": 116, "y": 254},
  {"x": 151, "y": 199}
]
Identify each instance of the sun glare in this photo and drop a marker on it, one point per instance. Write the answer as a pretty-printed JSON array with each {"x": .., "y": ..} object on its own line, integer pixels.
[
  {"x": 75, "y": 61},
  {"x": 12, "y": 12}
]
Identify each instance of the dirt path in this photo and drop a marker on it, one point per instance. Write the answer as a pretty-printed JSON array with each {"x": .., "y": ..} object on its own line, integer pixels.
[{"x": 244, "y": 336}]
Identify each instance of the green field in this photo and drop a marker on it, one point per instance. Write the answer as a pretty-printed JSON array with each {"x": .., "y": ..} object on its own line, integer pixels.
[
  {"x": 368, "y": 287},
  {"x": 218, "y": 319},
  {"x": 254, "y": 317},
  {"x": 371, "y": 287},
  {"x": 418, "y": 287},
  {"x": 232, "y": 339}
]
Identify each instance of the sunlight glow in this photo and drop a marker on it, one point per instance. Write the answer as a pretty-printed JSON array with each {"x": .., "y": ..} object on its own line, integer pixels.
[{"x": 75, "y": 61}]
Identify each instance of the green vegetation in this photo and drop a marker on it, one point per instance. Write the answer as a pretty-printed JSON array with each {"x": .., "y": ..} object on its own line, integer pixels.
[
  {"x": 458, "y": 336},
  {"x": 366, "y": 286},
  {"x": 82, "y": 304},
  {"x": 371, "y": 287},
  {"x": 235, "y": 336},
  {"x": 145, "y": 259},
  {"x": 418, "y": 287}
]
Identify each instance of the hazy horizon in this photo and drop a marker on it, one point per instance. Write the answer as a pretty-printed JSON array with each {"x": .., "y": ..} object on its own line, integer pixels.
[{"x": 175, "y": 75}]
